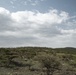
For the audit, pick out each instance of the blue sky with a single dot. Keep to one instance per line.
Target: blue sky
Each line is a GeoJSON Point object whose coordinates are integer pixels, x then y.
{"type": "Point", "coordinates": [48, 23]}
{"type": "Point", "coordinates": [40, 5]}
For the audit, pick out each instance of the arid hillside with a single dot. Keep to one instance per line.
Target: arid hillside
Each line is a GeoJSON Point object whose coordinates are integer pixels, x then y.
{"type": "Point", "coordinates": [37, 61]}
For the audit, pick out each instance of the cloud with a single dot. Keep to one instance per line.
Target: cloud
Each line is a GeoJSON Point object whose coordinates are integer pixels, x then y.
{"type": "Point", "coordinates": [33, 2]}
{"type": "Point", "coordinates": [12, 2]}
{"type": "Point", "coordinates": [28, 28]}
{"type": "Point", "coordinates": [5, 19]}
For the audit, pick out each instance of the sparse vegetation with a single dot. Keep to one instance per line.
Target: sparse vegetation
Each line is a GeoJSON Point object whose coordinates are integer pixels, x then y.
{"type": "Point", "coordinates": [37, 61]}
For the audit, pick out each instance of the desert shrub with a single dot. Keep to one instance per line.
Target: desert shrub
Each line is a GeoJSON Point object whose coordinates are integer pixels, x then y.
{"type": "Point", "coordinates": [67, 57]}
{"type": "Point", "coordinates": [68, 70]}
{"type": "Point", "coordinates": [50, 62]}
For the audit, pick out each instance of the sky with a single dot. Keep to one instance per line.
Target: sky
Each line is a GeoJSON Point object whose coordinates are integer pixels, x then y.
{"type": "Point", "coordinates": [40, 23]}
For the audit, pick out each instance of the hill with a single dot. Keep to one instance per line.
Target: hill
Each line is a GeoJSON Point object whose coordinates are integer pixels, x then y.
{"type": "Point", "coordinates": [37, 61]}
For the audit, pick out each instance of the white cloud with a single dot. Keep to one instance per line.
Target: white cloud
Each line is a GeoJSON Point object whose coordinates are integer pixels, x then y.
{"type": "Point", "coordinates": [53, 29]}
{"type": "Point", "coordinates": [12, 2]}
{"type": "Point", "coordinates": [3, 11]}
{"type": "Point", "coordinates": [33, 2]}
